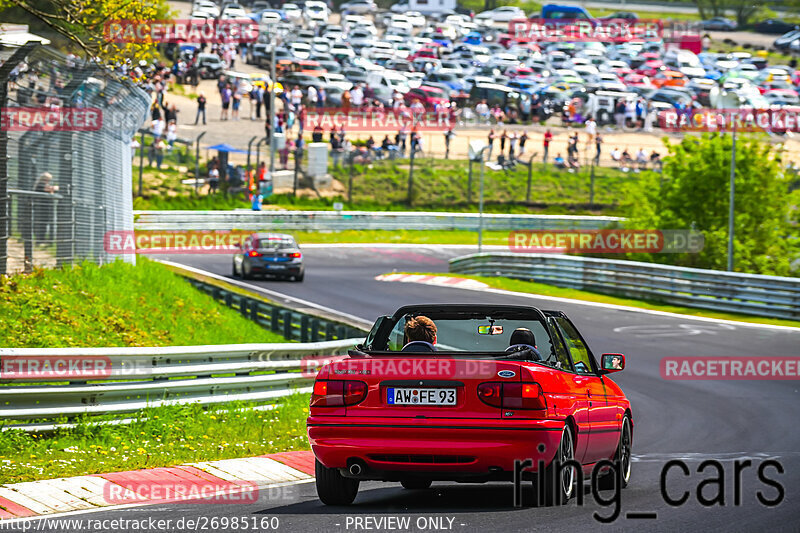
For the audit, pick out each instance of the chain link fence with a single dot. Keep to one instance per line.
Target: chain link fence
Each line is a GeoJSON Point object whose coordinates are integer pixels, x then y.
{"type": "Point", "coordinates": [65, 158]}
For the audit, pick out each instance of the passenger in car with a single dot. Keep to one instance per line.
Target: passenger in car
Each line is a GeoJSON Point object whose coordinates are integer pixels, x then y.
{"type": "Point", "coordinates": [420, 335]}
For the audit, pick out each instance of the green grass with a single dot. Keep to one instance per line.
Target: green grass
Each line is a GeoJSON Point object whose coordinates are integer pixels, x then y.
{"type": "Point", "coordinates": [542, 289]}
{"type": "Point", "coordinates": [116, 305]}
{"type": "Point", "coordinates": [162, 436]}
{"type": "Point", "coordinates": [439, 185]}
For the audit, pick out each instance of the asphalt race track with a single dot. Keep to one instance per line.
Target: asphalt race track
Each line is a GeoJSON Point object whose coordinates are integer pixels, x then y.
{"type": "Point", "coordinates": [694, 421]}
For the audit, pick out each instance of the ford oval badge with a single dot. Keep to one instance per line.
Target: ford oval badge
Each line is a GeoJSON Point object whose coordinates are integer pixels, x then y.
{"type": "Point", "coordinates": [506, 374]}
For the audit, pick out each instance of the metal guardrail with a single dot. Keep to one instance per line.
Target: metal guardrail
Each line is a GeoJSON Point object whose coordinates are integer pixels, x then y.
{"type": "Point", "coordinates": [357, 220]}
{"type": "Point", "coordinates": [136, 378]}
{"type": "Point", "coordinates": [771, 296]}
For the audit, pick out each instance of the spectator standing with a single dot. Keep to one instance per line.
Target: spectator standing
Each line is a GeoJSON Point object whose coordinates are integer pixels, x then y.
{"type": "Point", "coordinates": [322, 96]}
{"type": "Point", "coordinates": [313, 96]}
{"type": "Point", "coordinates": [598, 142]}
{"type": "Point", "coordinates": [160, 147]}
{"type": "Point", "coordinates": [448, 136]}
{"type": "Point", "coordinates": [201, 108]}
{"type": "Point", "coordinates": [548, 138]}
{"type": "Point", "coordinates": [357, 96]}
{"type": "Point", "coordinates": [522, 140]}
{"type": "Point", "coordinates": [619, 113]}
{"type": "Point", "coordinates": [43, 210]}
{"type": "Point", "coordinates": [591, 128]}
{"type": "Point", "coordinates": [236, 100]}
{"type": "Point", "coordinates": [512, 146]}
{"type": "Point", "coordinates": [492, 136]}
{"type": "Point", "coordinates": [225, 96]}
{"type": "Point", "coordinates": [172, 133]}
{"type": "Point", "coordinates": [297, 97]}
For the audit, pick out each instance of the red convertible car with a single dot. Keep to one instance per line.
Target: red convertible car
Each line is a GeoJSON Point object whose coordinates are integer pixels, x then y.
{"type": "Point", "coordinates": [466, 393]}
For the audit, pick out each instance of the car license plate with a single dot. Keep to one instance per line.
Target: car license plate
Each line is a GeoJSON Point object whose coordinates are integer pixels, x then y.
{"type": "Point", "coordinates": [275, 267]}
{"type": "Point", "coordinates": [419, 396]}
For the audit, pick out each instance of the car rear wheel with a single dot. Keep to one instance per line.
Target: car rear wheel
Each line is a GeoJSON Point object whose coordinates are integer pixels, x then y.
{"type": "Point", "coordinates": [559, 477]}
{"type": "Point", "coordinates": [416, 484]}
{"type": "Point", "coordinates": [247, 272]}
{"type": "Point", "coordinates": [235, 272]}
{"type": "Point", "coordinates": [300, 277]}
{"type": "Point", "coordinates": [622, 459]}
{"type": "Point", "coordinates": [333, 488]}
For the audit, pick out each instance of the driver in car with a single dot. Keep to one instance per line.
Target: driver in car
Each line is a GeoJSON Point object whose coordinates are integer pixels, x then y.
{"type": "Point", "coordinates": [523, 339]}
{"type": "Point", "coordinates": [420, 335]}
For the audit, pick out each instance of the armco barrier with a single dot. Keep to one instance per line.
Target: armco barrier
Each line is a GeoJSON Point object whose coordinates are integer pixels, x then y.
{"type": "Point", "coordinates": [141, 377]}
{"type": "Point", "coordinates": [209, 375]}
{"type": "Point", "coordinates": [751, 294]}
{"type": "Point", "coordinates": [356, 220]}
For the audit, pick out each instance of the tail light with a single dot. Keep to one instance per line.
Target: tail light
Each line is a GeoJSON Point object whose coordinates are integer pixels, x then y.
{"type": "Point", "coordinates": [253, 253]}
{"type": "Point", "coordinates": [296, 255]}
{"type": "Point", "coordinates": [338, 393]}
{"type": "Point", "coordinates": [512, 395]}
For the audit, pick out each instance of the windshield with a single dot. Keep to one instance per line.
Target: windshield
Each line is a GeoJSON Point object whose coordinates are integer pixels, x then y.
{"type": "Point", "coordinates": [462, 335]}
{"type": "Point", "coordinates": [275, 244]}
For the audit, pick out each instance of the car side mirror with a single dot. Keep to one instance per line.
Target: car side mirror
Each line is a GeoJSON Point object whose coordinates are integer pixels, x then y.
{"type": "Point", "coordinates": [612, 362]}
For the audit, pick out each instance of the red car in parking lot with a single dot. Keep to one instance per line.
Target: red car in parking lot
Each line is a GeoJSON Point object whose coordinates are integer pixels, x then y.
{"type": "Point", "coordinates": [494, 385]}
{"type": "Point", "coordinates": [429, 96]}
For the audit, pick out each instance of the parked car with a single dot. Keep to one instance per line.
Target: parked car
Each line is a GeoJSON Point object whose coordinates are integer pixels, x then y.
{"type": "Point", "coordinates": [775, 26]}
{"type": "Point", "coordinates": [719, 24]}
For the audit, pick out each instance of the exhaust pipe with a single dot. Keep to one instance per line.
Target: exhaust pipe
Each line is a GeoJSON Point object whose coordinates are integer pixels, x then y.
{"type": "Point", "coordinates": [355, 469]}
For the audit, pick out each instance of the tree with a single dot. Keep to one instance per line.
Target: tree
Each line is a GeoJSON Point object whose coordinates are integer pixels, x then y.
{"type": "Point", "coordinates": [694, 194]}
{"type": "Point", "coordinates": [83, 23]}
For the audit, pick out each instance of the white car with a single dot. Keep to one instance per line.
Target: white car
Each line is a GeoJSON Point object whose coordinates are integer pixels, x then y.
{"type": "Point", "coordinates": [321, 45]}
{"type": "Point", "coordinates": [293, 12]}
{"type": "Point", "coordinates": [500, 14]}
{"type": "Point", "coordinates": [359, 6]}
{"type": "Point", "coordinates": [360, 39]}
{"type": "Point", "coordinates": [337, 80]}
{"type": "Point", "coordinates": [300, 50]}
{"type": "Point", "coordinates": [416, 18]}
{"type": "Point", "coordinates": [390, 79]}
{"type": "Point", "coordinates": [233, 11]}
{"type": "Point", "coordinates": [400, 28]}
{"type": "Point", "coordinates": [316, 13]}
{"type": "Point", "coordinates": [206, 6]}
{"type": "Point", "coordinates": [341, 49]}
{"type": "Point", "coordinates": [379, 50]}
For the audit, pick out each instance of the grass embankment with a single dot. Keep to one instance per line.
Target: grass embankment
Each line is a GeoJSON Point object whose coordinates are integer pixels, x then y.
{"type": "Point", "coordinates": [439, 185]}
{"type": "Point", "coordinates": [163, 436]}
{"type": "Point", "coordinates": [541, 289]}
{"type": "Point", "coordinates": [116, 305]}
{"type": "Point", "coordinates": [125, 305]}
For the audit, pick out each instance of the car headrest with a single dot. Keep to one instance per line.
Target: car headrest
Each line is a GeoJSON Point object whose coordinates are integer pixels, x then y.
{"type": "Point", "coordinates": [418, 346]}
{"type": "Point", "coordinates": [522, 336]}
{"type": "Point", "coordinates": [535, 355]}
